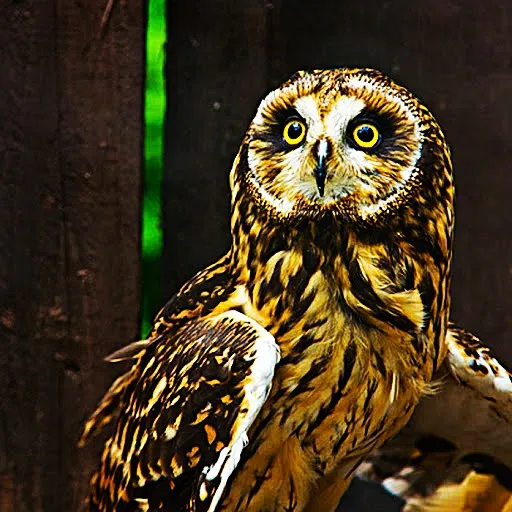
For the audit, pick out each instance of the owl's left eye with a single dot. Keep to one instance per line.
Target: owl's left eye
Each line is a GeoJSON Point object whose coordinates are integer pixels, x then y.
{"type": "Point", "coordinates": [366, 135]}
{"type": "Point", "coordinates": [294, 132]}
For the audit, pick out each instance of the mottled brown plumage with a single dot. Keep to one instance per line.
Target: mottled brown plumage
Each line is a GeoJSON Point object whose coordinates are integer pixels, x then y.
{"type": "Point", "coordinates": [342, 217]}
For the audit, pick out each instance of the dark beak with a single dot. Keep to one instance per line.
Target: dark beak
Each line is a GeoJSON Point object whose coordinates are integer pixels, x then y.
{"type": "Point", "coordinates": [320, 173]}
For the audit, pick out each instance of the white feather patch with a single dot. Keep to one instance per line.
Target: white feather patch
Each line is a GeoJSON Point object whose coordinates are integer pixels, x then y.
{"type": "Point", "coordinates": [257, 388]}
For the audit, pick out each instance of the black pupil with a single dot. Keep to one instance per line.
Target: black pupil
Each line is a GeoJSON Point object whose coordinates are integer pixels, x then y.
{"type": "Point", "coordinates": [295, 130]}
{"type": "Point", "coordinates": [365, 133]}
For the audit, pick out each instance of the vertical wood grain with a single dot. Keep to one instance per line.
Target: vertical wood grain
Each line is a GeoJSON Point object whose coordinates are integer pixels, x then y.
{"type": "Point", "coordinates": [70, 163]}
{"type": "Point", "coordinates": [216, 71]}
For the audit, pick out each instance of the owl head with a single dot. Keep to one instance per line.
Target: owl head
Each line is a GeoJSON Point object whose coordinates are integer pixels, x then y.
{"type": "Point", "coordinates": [346, 142]}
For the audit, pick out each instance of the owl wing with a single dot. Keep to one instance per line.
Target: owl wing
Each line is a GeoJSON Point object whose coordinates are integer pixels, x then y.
{"type": "Point", "coordinates": [459, 440]}
{"type": "Point", "coordinates": [184, 417]}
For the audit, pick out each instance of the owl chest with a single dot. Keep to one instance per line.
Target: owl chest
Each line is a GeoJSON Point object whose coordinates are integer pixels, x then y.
{"type": "Point", "coordinates": [332, 400]}
{"type": "Point", "coordinates": [341, 408]}
{"type": "Point", "coordinates": [339, 388]}
{"type": "Point", "coordinates": [355, 424]}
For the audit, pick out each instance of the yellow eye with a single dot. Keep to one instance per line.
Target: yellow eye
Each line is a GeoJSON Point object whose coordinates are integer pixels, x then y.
{"type": "Point", "coordinates": [294, 132]}
{"type": "Point", "coordinates": [366, 135]}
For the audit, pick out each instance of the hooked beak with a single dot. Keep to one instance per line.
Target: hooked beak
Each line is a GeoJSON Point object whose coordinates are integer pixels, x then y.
{"type": "Point", "coordinates": [321, 168]}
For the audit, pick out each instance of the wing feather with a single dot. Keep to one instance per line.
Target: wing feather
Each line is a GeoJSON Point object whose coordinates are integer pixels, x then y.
{"type": "Point", "coordinates": [185, 417]}
{"type": "Point", "coordinates": [108, 408]}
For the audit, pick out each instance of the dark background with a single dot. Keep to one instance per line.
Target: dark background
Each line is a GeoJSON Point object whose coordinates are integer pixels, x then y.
{"type": "Point", "coordinates": [70, 175]}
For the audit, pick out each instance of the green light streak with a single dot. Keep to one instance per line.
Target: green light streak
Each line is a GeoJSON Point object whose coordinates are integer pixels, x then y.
{"type": "Point", "coordinates": [154, 111]}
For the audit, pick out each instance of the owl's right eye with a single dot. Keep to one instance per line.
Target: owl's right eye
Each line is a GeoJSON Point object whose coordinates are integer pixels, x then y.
{"type": "Point", "coordinates": [294, 132]}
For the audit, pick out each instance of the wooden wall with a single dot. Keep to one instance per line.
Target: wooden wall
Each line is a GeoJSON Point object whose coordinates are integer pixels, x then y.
{"type": "Point", "coordinates": [70, 162]}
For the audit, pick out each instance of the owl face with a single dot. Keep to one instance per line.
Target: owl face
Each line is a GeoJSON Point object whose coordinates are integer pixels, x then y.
{"type": "Point", "coordinates": [344, 142]}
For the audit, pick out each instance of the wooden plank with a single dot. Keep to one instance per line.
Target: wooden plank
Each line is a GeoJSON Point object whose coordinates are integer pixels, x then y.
{"type": "Point", "coordinates": [216, 73]}
{"type": "Point", "coordinates": [70, 163]}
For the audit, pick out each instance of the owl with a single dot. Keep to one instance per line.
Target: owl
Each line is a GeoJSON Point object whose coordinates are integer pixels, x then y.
{"type": "Point", "coordinates": [273, 373]}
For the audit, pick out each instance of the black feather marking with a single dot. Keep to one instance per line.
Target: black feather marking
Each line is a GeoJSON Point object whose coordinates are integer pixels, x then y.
{"type": "Point", "coordinates": [277, 243]}
{"type": "Point", "coordinates": [311, 260]}
{"type": "Point", "coordinates": [297, 284]}
{"type": "Point", "coordinates": [363, 291]}
{"type": "Point", "coordinates": [349, 360]}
